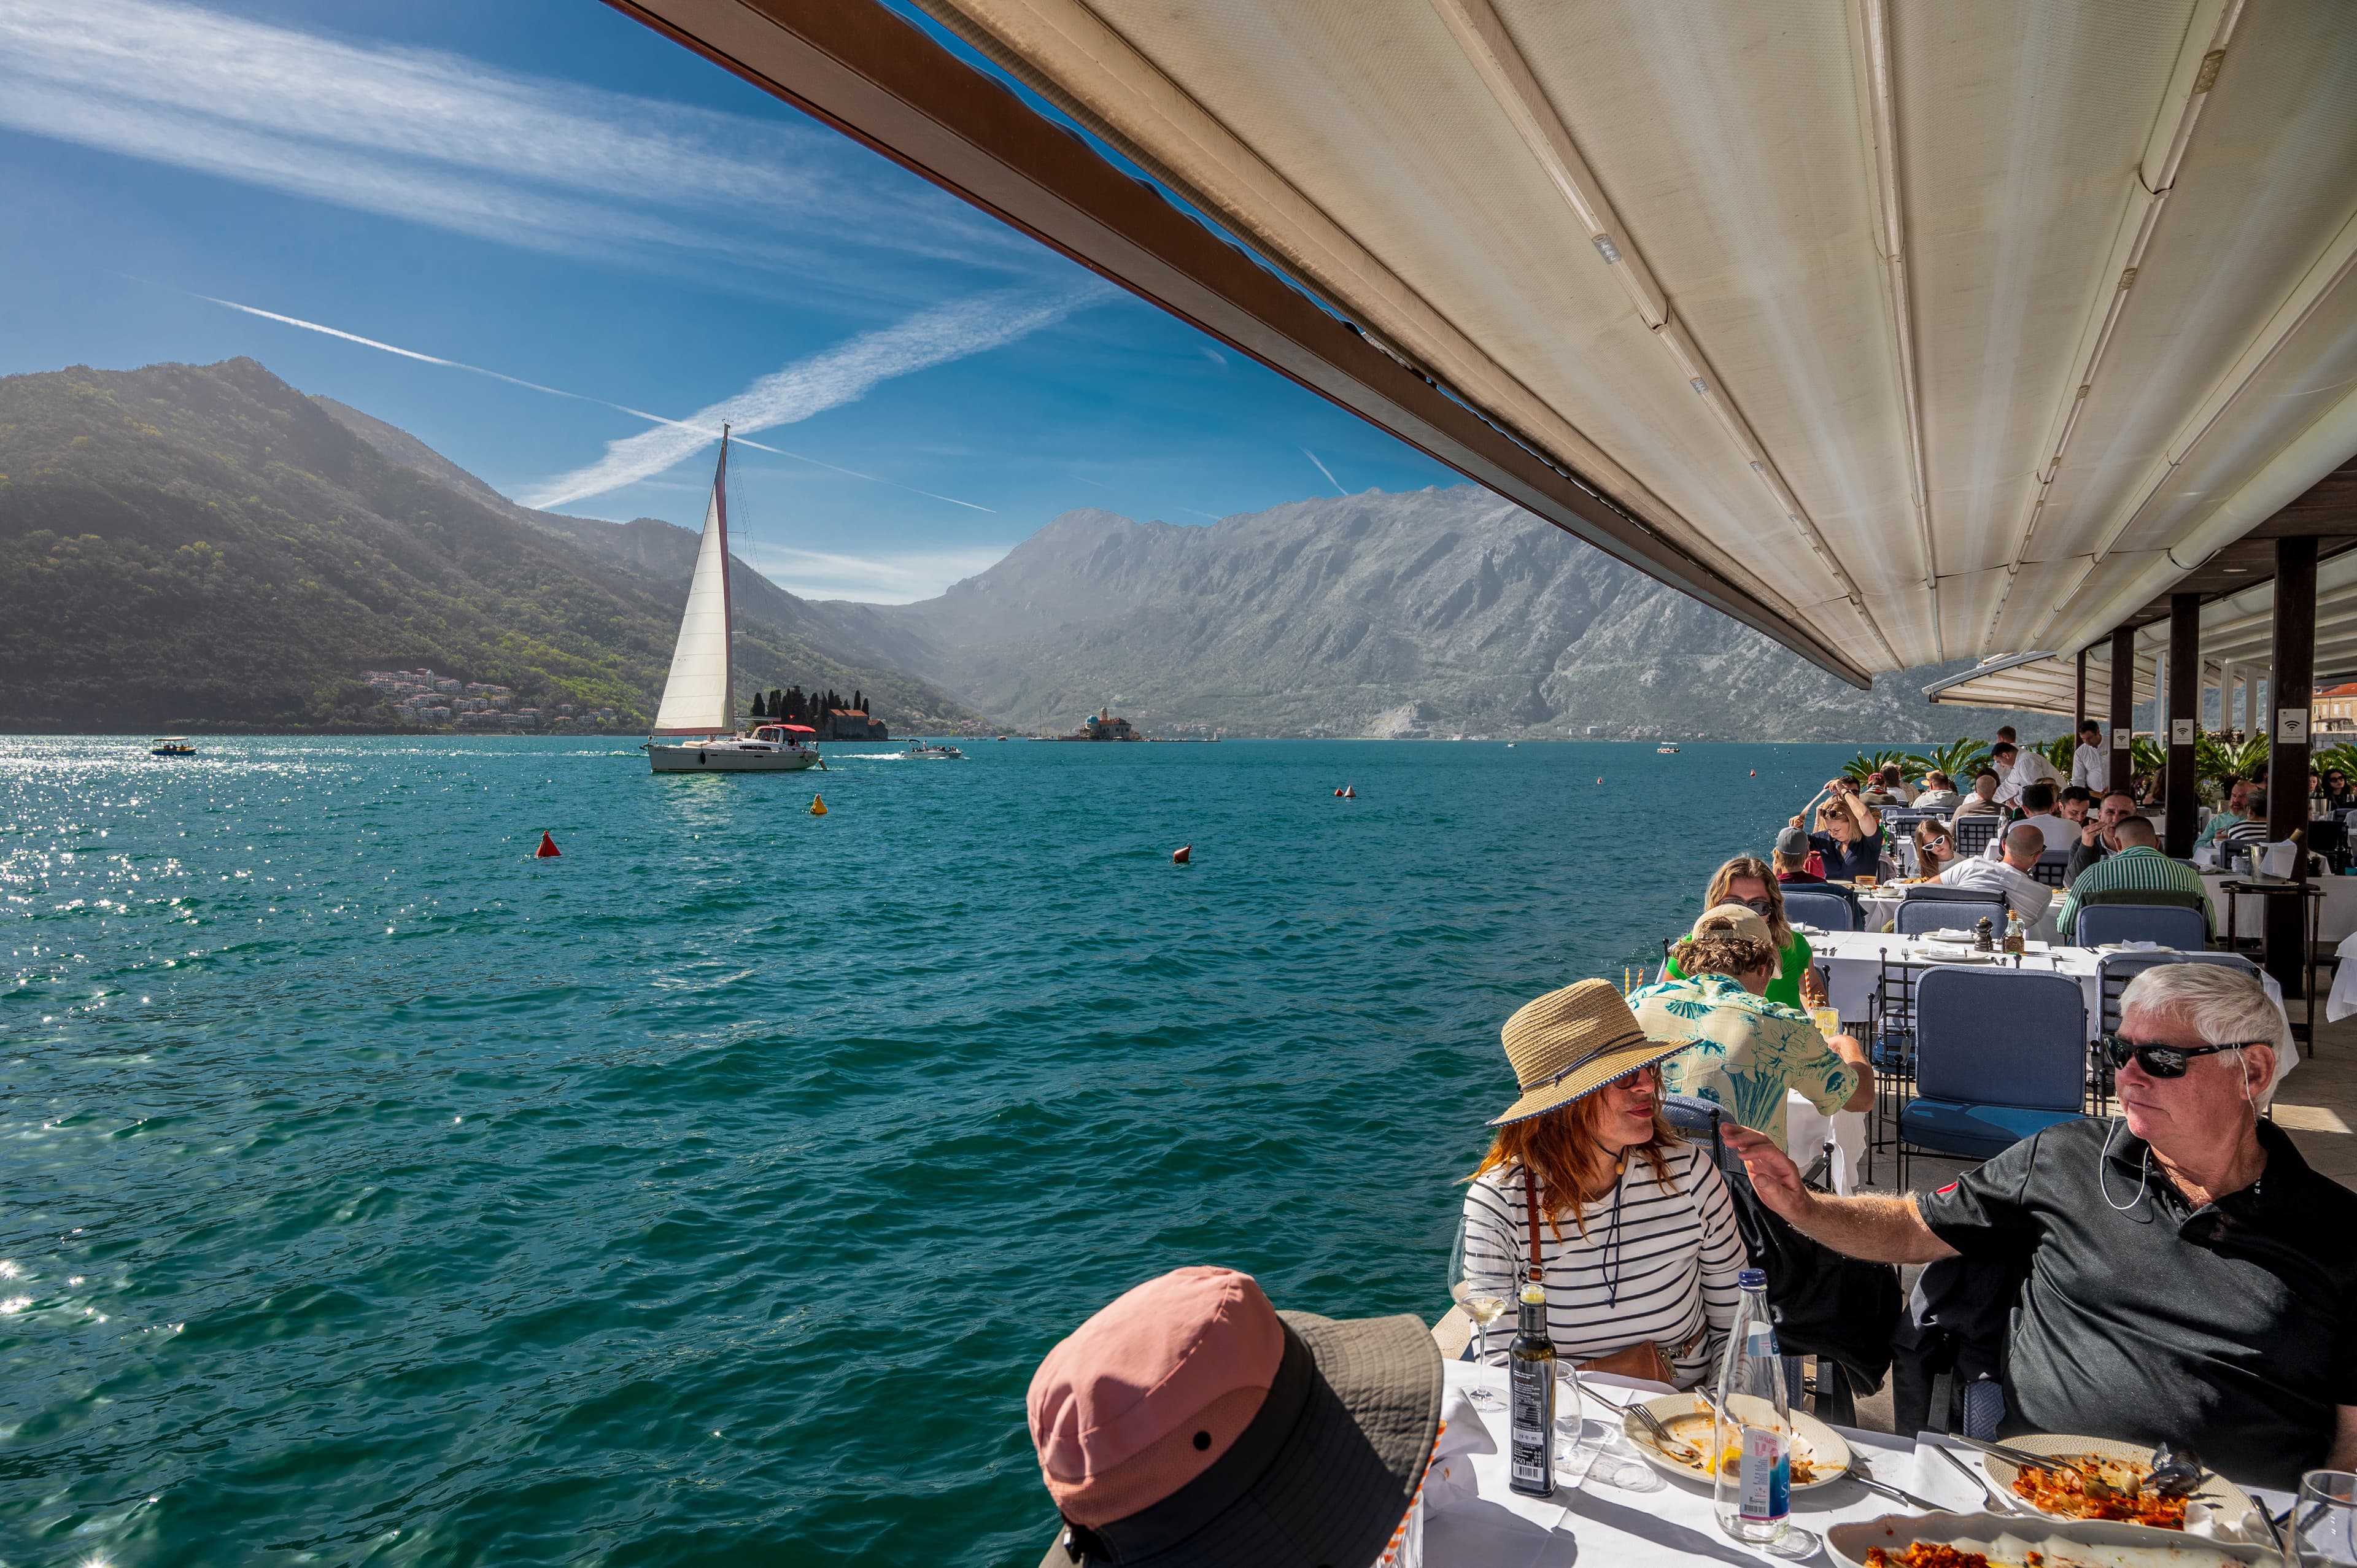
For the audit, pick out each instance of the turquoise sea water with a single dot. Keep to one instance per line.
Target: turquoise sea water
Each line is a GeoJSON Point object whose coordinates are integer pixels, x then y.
{"type": "Point", "coordinates": [375, 1193]}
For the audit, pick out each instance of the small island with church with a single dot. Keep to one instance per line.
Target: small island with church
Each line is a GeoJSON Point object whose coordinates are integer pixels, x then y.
{"type": "Point", "coordinates": [1105, 726]}
{"type": "Point", "coordinates": [827, 714]}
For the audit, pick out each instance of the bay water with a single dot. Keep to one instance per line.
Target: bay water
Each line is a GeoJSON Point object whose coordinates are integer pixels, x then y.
{"type": "Point", "coordinates": [377, 1193]}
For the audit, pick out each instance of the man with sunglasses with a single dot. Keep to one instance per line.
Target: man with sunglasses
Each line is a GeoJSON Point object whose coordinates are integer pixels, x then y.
{"type": "Point", "coordinates": [2189, 1276]}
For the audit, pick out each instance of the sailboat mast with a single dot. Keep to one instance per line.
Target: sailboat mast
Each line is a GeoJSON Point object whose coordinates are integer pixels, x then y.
{"type": "Point", "coordinates": [727, 608]}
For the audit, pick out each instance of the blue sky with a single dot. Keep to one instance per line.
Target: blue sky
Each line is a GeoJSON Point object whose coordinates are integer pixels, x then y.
{"type": "Point", "coordinates": [545, 189]}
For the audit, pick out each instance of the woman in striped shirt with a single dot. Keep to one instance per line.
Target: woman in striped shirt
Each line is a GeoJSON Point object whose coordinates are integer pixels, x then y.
{"type": "Point", "coordinates": [1637, 1237]}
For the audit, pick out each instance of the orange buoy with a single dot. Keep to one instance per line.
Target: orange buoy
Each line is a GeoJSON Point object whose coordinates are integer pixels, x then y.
{"type": "Point", "coordinates": [1338, 794]}
{"type": "Point", "coordinates": [548, 850]}
{"type": "Point", "coordinates": [1179, 857]}
{"type": "Point", "coordinates": [1755, 773]}
{"type": "Point", "coordinates": [818, 806]}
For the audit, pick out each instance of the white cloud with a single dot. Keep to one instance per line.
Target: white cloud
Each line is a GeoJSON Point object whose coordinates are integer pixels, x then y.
{"type": "Point", "coordinates": [827, 380]}
{"type": "Point", "coordinates": [448, 141]}
{"type": "Point", "coordinates": [897, 578]}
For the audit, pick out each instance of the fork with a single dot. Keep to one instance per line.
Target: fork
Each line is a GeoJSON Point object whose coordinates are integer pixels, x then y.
{"type": "Point", "coordinates": [1676, 1448]}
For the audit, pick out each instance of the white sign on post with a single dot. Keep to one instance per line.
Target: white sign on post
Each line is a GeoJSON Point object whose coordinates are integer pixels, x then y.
{"type": "Point", "coordinates": [2291, 727]}
{"type": "Point", "coordinates": [2120, 737]}
{"type": "Point", "coordinates": [2180, 732]}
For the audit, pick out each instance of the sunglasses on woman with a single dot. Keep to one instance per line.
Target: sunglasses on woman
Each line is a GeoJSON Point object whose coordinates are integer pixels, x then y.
{"type": "Point", "coordinates": [2162, 1061]}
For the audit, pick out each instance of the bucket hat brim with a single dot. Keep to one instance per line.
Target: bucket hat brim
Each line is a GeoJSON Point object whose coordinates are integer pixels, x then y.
{"type": "Point", "coordinates": [1342, 1479]}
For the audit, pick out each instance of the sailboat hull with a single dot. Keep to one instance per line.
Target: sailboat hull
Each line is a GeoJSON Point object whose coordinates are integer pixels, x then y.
{"type": "Point", "coordinates": [726, 758]}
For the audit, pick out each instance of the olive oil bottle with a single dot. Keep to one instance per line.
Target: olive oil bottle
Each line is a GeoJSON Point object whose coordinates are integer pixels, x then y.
{"type": "Point", "coordinates": [1530, 1383]}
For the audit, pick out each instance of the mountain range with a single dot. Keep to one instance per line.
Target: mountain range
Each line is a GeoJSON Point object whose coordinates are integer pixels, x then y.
{"type": "Point", "coordinates": [185, 546]}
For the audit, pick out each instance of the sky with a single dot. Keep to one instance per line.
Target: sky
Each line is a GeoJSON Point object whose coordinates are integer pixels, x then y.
{"type": "Point", "coordinates": [381, 200]}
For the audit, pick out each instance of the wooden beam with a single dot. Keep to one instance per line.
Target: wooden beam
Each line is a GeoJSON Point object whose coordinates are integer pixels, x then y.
{"type": "Point", "coordinates": [2184, 718]}
{"type": "Point", "coordinates": [2291, 690]}
{"type": "Point", "coordinates": [856, 66]}
{"type": "Point", "coordinates": [2122, 708]}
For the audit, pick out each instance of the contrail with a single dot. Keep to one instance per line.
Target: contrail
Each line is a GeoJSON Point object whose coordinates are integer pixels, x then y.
{"type": "Point", "coordinates": [1327, 471]}
{"type": "Point", "coordinates": [830, 379]}
{"type": "Point", "coordinates": [712, 434]}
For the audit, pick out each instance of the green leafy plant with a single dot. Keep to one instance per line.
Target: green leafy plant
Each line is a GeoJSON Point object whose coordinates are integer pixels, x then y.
{"type": "Point", "coordinates": [2057, 752]}
{"type": "Point", "coordinates": [1959, 759]}
{"type": "Point", "coordinates": [1859, 768]}
{"type": "Point", "coordinates": [2343, 757]}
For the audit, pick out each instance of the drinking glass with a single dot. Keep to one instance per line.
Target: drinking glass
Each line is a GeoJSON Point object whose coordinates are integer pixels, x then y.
{"type": "Point", "coordinates": [1474, 1285]}
{"type": "Point", "coordinates": [2324, 1520]}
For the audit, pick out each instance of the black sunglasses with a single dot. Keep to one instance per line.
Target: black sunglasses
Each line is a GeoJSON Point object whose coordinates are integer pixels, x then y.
{"type": "Point", "coordinates": [2162, 1061]}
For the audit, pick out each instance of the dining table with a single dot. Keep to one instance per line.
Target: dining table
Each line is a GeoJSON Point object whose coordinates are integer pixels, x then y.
{"type": "Point", "coordinates": [1611, 1506]}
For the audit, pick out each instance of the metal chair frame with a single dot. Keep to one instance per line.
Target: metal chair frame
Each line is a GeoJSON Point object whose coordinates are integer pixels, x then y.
{"type": "Point", "coordinates": [1891, 1047]}
{"type": "Point", "coordinates": [1899, 1139]}
{"type": "Point", "coordinates": [1972, 834]}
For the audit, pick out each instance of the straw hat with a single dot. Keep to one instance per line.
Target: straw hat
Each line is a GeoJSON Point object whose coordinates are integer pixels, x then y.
{"type": "Point", "coordinates": [1573, 1042]}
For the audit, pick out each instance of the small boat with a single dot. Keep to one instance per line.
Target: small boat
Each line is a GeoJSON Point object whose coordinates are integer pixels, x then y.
{"type": "Point", "coordinates": [170, 746]}
{"type": "Point", "coordinates": [699, 697]}
{"type": "Point", "coordinates": [936, 752]}
{"type": "Point", "coordinates": [1667, 749]}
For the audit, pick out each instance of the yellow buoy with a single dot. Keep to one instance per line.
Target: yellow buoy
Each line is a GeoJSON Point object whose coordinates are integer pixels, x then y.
{"type": "Point", "coordinates": [818, 806]}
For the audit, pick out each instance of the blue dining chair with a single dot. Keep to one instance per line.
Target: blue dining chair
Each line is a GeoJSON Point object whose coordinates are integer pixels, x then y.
{"type": "Point", "coordinates": [2001, 1054]}
{"type": "Point", "coordinates": [2170, 925]}
{"type": "Point", "coordinates": [1917, 915]}
{"type": "Point", "coordinates": [1820, 908]}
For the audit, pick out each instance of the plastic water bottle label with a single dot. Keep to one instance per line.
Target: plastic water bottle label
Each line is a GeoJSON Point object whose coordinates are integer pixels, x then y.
{"type": "Point", "coordinates": [1766, 1475]}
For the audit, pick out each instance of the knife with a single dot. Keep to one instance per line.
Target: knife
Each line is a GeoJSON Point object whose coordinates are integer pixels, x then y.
{"type": "Point", "coordinates": [2015, 1456]}
{"type": "Point", "coordinates": [1856, 1472]}
{"type": "Point", "coordinates": [2008, 1504]}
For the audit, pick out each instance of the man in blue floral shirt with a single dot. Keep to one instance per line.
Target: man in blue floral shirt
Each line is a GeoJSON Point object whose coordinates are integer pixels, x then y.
{"type": "Point", "coordinates": [1747, 1051]}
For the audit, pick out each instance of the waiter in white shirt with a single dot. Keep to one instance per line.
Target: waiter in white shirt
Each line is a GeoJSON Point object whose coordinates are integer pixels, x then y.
{"type": "Point", "coordinates": [2017, 767]}
{"type": "Point", "coordinates": [2089, 767]}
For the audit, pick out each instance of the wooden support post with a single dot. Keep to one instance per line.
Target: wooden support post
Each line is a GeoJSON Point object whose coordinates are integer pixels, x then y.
{"type": "Point", "coordinates": [2123, 707]}
{"type": "Point", "coordinates": [2291, 684]}
{"type": "Point", "coordinates": [2184, 717]}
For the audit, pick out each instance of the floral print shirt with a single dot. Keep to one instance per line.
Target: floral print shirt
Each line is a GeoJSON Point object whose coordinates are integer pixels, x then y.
{"type": "Point", "coordinates": [1747, 1050]}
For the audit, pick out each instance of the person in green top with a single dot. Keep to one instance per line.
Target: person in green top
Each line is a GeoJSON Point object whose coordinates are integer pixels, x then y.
{"type": "Point", "coordinates": [2237, 810]}
{"type": "Point", "coordinates": [1747, 880]}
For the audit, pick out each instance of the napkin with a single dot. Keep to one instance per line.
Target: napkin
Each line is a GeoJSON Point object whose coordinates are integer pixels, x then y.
{"type": "Point", "coordinates": [2278, 859]}
{"type": "Point", "coordinates": [1449, 1482]}
{"type": "Point", "coordinates": [2245, 1526]}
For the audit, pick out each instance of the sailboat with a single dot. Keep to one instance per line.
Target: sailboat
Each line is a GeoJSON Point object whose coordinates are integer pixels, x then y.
{"type": "Point", "coordinates": [699, 698]}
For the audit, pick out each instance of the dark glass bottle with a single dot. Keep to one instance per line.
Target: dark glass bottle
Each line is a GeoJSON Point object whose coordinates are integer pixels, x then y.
{"type": "Point", "coordinates": [1529, 1383]}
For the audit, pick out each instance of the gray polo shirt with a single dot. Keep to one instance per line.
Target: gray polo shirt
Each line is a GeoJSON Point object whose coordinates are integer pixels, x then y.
{"type": "Point", "coordinates": [2232, 1327]}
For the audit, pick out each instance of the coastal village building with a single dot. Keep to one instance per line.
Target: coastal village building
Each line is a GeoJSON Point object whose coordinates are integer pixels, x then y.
{"type": "Point", "coordinates": [2336, 708]}
{"type": "Point", "coordinates": [850, 724]}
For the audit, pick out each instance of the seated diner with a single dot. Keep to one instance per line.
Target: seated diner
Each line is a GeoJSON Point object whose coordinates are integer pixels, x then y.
{"type": "Point", "coordinates": [2139, 867]}
{"type": "Point", "coordinates": [1792, 855]}
{"type": "Point", "coordinates": [2189, 1278]}
{"type": "Point", "coordinates": [1938, 794]}
{"type": "Point", "coordinates": [1746, 1051]}
{"type": "Point", "coordinates": [1936, 850]}
{"type": "Point", "coordinates": [1636, 1232]}
{"type": "Point", "coordinates": [1849, 835]}
{"type": "Point", "coordinates": [1981, 801]}
{"type": "Point", "coordinates": [1745, 883]}
{"type": "Point", "coordinates": [2009, 877]}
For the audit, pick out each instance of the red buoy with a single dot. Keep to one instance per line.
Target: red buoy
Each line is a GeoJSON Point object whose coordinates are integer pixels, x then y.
{"type": "Point", "coordinates": [548, 850]}
{"type": "Point", "coordinates": [1179, 857]}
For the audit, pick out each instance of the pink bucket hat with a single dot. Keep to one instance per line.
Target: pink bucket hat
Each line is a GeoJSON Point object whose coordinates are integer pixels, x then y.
{"type": "Point", "coordinates": [1190, 1422]}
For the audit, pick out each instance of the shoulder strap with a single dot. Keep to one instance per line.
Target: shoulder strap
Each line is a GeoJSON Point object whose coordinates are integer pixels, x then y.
{"type": "Point", "coordinates": [1531, 1208]}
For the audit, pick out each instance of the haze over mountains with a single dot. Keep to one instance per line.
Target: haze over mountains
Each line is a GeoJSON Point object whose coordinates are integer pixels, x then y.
{"type": "Point", "coordinates": [205, 545]}
{"type": "Point", "coordinates": [1437, 612]}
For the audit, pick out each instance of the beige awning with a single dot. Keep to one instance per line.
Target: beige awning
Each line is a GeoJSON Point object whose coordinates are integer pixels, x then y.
{"type": "Point", "coordinates": [1942, 325]}
{"type": "Point", "coordinates": [1905, 331]}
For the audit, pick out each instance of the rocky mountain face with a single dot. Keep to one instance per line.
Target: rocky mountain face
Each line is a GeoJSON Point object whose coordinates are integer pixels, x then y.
{"type": "Point", "coordinates": [186, 546]}
{"type": "Point", "coordinates": [1437, 613]}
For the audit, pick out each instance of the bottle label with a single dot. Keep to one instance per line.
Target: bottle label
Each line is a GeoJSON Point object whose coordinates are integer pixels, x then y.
{"type": "Point", "coordinates": [1533, 1450]}
{"type": "Point", "coordinates": [1766, 1475]}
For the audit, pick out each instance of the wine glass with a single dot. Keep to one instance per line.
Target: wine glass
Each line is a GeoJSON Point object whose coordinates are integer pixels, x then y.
{"type": "Point", "coordinates": [2324, 1520]}
{"type": "Point", "coordinates": [1482, 1293]}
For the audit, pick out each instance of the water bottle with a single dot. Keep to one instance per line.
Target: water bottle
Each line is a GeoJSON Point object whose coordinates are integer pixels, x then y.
{"type": "Point", "coordinates": [1751, 1487]}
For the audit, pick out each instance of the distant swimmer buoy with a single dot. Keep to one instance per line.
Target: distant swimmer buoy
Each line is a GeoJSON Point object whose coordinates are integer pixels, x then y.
{"type": "Point", "coordinates": [1338, 794]}
{"type": "Point", "coordinates": [818, 806]}
{"type": "Point", "coordinates": [1179, 857]}
{"type": "Point", "coordinates": [548, 850]}
{"type": "Point", "coordinates": [1755, 773]}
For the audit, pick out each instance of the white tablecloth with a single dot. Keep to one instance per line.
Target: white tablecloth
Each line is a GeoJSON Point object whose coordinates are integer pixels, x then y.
{"type": "Point", "coordinates": [2344, 1000]}
{"type": "Point", "coordinates": [1611, 1510]}
{"type": "Point", "coordinates": [1878, 907]}
{"type": "Point", "coordinates": [1853, 961]}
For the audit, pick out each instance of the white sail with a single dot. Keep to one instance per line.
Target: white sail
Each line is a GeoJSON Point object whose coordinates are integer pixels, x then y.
{"type": "Point", "coordinates": [696, 699]}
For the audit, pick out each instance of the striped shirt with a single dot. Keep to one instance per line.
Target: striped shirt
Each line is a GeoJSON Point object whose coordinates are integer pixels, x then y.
{"type": "Point", "coordinates": [2141, 869]}
{"type": "Point", "coordinates": [1657, 1265]}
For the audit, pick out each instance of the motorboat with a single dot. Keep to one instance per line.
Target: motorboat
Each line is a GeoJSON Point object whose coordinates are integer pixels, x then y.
{"type": "Point", "coordinates": [170, 746]}
{"type": "Point", "coordinates": [931, 753]}
{"type": "Point", "coordinates": [699, 697]}
{"type": "Point", "coordinates": [1667, 748]}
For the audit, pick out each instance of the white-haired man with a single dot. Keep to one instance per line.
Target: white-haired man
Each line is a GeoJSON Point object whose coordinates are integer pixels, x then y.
{"type": "Point", "coordinates": [2190, 1278]}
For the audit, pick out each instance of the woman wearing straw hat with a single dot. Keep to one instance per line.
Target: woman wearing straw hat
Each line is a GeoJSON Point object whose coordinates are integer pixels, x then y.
{"type": "Point", "coordinates": [1636, 1233]}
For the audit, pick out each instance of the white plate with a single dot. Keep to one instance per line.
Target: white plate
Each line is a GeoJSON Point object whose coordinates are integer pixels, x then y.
{"type": "Point", "coordinates": [1689, 1419]}
{"type": "Point", "coordinates": [1847, 1544]}
{"type": "Point", "coordinates": [2219, 1493]}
